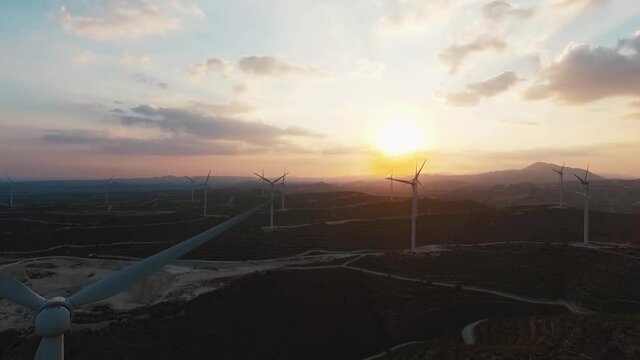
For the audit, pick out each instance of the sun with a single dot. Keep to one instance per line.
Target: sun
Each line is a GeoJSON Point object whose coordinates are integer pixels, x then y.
{"type": "Point", "coordinates": [400, 136]}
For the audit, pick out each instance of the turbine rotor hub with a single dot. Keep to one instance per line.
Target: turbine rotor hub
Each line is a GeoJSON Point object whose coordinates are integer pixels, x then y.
{"type": "Point", "coordinates": [54, 318]}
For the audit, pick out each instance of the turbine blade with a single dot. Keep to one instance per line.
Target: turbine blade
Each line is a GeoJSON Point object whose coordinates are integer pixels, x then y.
{"type": "Point", "coordinates": [586, 173]}
{"type": "Point", "coordinates": [261, 177]}
{"type": "Point", "coordinates": [8, 178]}
{"type": "Point", "coordinates": [208, 175]}
{"type": "Point", "coordinates": [562, 168]}
{"type": "Point", "coordinates": [51, 348]}
{"type": "Point", "coordinates": [124, 279]}
{"type": "Point", "coordinates": [402, 181]}
{"type": "Point", "coordinates": [17, 292]}
{"type": "Point", "coordinates": [419, 171]}
{"type": "Point", "coordinates": [278, 179]}
{"type": "Point", "coordinates": [579, 178]}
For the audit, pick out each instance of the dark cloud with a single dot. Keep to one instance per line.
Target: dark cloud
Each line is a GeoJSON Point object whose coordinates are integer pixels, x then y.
{"type": "Point", "coordinates": [454, 54]}
{"type": "Point", "coordinates": [271, 66]}
{"type": "Point", "coordinates": [483, 89]}
{"type": "Point", "coordinates": [172, 146]}
{"type": "Point", "coordinates": [147, 80]}
{"type": "Point", "coordinates": [178, 121]}
{"type": "Point", "coordinates": [499, 10]}
{"type": "Point", "coordinates": [583, 74]}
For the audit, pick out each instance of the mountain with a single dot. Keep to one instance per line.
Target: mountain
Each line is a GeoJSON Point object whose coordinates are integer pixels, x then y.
{"type": "Point", "coordinates": [536, 173]}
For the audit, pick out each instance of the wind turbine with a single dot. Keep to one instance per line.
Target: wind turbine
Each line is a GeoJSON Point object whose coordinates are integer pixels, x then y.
{"type": "Point", "coordinates": [193, 185]}
{"type": "Point", "coordinates": [106, 193]}
{"type": "Point", "coordinates": [282, 192]}
{"type": "Point", "coordinates": [585, 186]}
{"type": "Point", "coordinates": [10, 191]}
{"type": "Point", "coordinates": [414, 204]}
{"type": "Point", "coordinates": [206, 190]}
{"type": "Point", "coordinates": [272, 183]}
{"type": "Point", "coordinates": [53, 316]}
{"type": "Point", "coordinates": [561, 174]}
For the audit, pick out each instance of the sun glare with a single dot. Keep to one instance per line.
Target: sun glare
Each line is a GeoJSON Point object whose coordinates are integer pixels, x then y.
{"type": "Point", "coordinates": [398, 137]}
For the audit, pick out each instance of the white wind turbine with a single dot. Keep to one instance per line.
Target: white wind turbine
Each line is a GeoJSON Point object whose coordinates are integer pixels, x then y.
{"type": "Point", "coordinates": [561, 174]}
{"type": "Point", "coordinates": [272, 183]}
{"type": "Point", "coordinates": [10, 191]}
{"type": "Point", "coordinates": [414, 182]}
{"type": "Point", "coordinates": [53, 316]}
{"type": "Point", "coordinates": [585, 186]}
{"type": "Point", "coordinates": [193, 185]}
{"type": "Point", "coordinates": [282, 192]}
{"type": "Point", "coordinates": [106, 193]}
{"type": "Point", "coordinates": [206, 190]}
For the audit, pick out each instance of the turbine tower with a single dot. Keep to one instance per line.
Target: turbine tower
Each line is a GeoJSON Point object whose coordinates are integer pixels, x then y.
{"type": "Point", "coordinates": [272, 183]}
{"type": "Point", "coordinates": [206, 190]}
{"type": "Point", "coordinates": [282, 192]}
{"type": "Point", "coordinates": [414, 182]}
{"type": "Point", "coordinates": [193, 185]}
{"type": "Point", "coordinates": [561, 174]}
{"type": "Point", "coordinates": [585, 186]}
{"type": "Point", "coordinates": [53, 316]}
{"type": "Point", "coordinates": [106, 193]}
{"type": "Point", "coordinates": [391, 193]}
{"type": "Point", "coordinates": [10, 191]}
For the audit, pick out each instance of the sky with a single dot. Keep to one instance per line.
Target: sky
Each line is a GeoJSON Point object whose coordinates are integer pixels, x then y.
{"type": "Point", "coordinates": [332, 88]}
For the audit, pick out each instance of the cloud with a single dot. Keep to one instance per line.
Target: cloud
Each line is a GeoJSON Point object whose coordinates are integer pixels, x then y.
{"type": "Point", "coordinates": [585, 3]}
{"type": "Point", "coordinates": [454, 54]}
{"type": "Point", "coordinates": [140, 62]}
{"type": "Point", "coordinates": [84, 59]}
{"type": "Point", "coordinates": [230, 109]}
{"type": "Point", "coordinates": [483, 89]}
{"type": "Point", "coordinates": [199, 70]}
{"type": "Point", "coordinates": [126, 20]}
{"type": "Point", "coordinates": [271, 66]}
{"type": "Point", "coordinates": [183, 121]}
{"type": "Point", "coordinates": [97, 141]}
{"type": "Point", "coordinates": [144, 79]}
{"type": "Point", "coordinates": [521, 122]}
{"type": "Point", "coordinates": [583, 74]}
{"type": "Point", "coordinates": [499, 10]}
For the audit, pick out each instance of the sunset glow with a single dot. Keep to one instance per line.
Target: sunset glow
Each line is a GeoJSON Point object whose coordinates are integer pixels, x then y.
{"type": "Point", "coordinates": [400, 136]}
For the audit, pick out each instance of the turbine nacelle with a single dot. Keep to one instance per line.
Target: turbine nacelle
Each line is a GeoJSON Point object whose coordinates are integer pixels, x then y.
{"type": "Point", "coordinates": [54, 319]}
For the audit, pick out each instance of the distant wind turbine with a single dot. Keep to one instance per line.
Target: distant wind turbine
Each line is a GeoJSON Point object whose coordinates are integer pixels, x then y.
{"type": "Point", "coordinates": [10, 191]}
{"type": "Point", "coordinates": [561, 174]}
{"type": "Point", "coordinates": [193, 185]}
{"type": "Point", "coordinates": [585, 186]}
{"type": "Point", "coordinates": [106, 193]}
{"type": "Point", "coordinates": [282, 192]}
{"type": "Point", "coordinates": [414, 204]}
{"type": "Point", "coordinates": [206, 190]}
{"type": "Point", "coordinates": [53, 316]}
{"type": "Point", "coordinates": [272, 183]}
